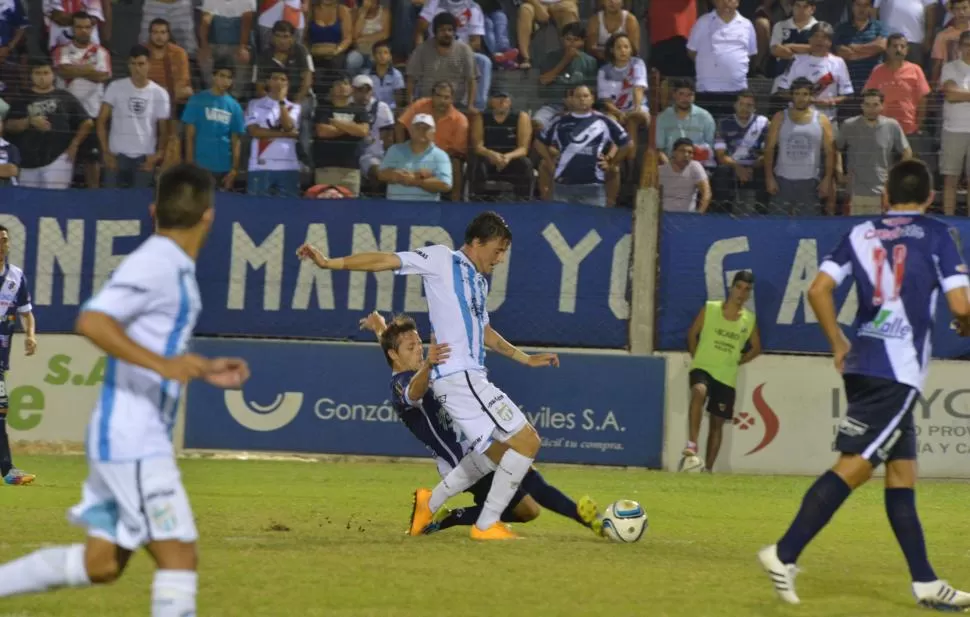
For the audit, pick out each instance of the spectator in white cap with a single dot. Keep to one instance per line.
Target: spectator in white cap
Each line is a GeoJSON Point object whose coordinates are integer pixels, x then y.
{"type": "Point", "coordinates": [417, 170]}
{"type": "Point", "coordinates": [380, 119]}
{"type": "Point", "coordinates": [341, 128]}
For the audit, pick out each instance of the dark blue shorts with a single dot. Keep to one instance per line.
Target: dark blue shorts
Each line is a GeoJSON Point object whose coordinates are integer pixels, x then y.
{"type": "Point", "coordinates": [879, 420]}
{"type": "Point", "coordinates": [480, 490]}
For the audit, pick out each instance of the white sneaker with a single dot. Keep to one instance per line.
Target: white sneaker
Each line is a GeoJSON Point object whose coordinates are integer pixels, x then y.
{"type": "Point", "coordinates": [782, 575]}
{"type": "Point", "coordinates": [941, 596]}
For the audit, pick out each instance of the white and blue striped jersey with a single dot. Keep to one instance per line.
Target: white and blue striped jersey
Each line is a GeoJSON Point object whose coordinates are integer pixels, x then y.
{"type": "Point", "coordinates": [456, 294]}
{"type": "Point", "coordinates": [581, 139]}
{"type": "Point", "coordinates": [154, 296]}
{"type": "Point", "coordinates": [899, 264]}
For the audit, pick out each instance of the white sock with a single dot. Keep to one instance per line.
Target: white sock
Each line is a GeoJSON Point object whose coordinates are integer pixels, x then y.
{"type": "Point", "coordinates": [511, 469]}
{"type": "Point", "coordinates": [472, 468]}
{"type": "Point", "coordinates": [44, 570]}
{"type": "Point", "coordinates": [173, 593]}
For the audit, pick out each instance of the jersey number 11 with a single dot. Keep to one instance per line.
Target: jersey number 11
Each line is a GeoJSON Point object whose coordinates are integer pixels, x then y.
{"type": "Point", "coordinates": [899, 270]}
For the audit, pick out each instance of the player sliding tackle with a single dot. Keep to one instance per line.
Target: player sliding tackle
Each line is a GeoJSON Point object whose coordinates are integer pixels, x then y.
{"type": "Point", "coordinates": [421, 413]}
{"type": "Point", "coordinates": [899, 264]}
{"type": "Point", "coordinates": [456, 288]}
{"type": "Point", "coordinates": [142, 319]}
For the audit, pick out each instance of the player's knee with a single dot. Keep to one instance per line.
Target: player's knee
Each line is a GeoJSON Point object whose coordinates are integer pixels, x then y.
{"type": "Point", "coordinates": [698, 391]}
{"type": "Point", "coordinates": [527, 442]}
{"type": "Point", "coordinates": [102, 567]}
{"type": "Point", "coordinates": [854, 469]}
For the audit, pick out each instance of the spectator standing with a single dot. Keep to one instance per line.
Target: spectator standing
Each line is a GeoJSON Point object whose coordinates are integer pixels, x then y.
{"type": "Point", "coordinates": [581, 147]}
{"type": "Point", "coordinates": [9, 161]}
{"type": "Point", "coordinates": [470, 28]}
{"type": "Point", "coordinates": [562, 12]}
{"type": "Point", "coordinates": [722, 43]}
{"type": "Point", "coordinates": [13, 30]}
{"type": "Point", "coordinates": [955, 153]}
{"type": "Point", "coordinates": [214, 124]}
{"type": "Point", "coordinates": [861, 42]}
{"type": "Point", "coordinates": [670, 23]}
{"type": "Point", "coordinates": [58, 19]}
{"type": "Point", "coordinates": [871, 140]}
{"type": "Point", "coordinates": [341, 129]}
{"type": "Point", "coordinates": [803, 138]}
{"type": "Point", "coordinates": [48, 125]}
{"type": "Point", "coordinates": [271, 12]}
{"type": "Point", "coordinates": [169, 65]}
{"type": "Point", "coordinates": [501, 137]}
{"type": "Point", "coordinates": [417, 170]}
{"type": "Point", "coordinates": [224, 37]}
{"type": "Point", "coordinates": [622, 87]}
{"type": "Point", "coordinates": [388, 82]}
{"type": "Point", "coordinates": [330, 34]}
{"type": "Point", "coordinates": [373, 25]}
{"type": "Point", "coordinates": [451, 132]}
{"type": "Point", "coordinates": [611, 21]}
{"type": "Point", "coordinates": [946, 47]}
{"type": "Point", "coordinates": [826, 71]}
{"type": "Point", "coordinates": [685, 119]}
{"type": "Point", "coordinates": [442, 58]}
{"type": "Point", "coordinates": [180, 18]}
{"type": "Point", "coordinates": [915, 19]}
{"type": "Point", "coordinates": [380, 120]}
{"type": "Point", "coordinates": [287, 54]}
{"type": "Point", "coordinates": [273, 122]}
{"type": "Point", "coordinates": [789, 38]}
{"type": "Point", "coordinates": [739, 147]}
{"type": "Point", "coordinates": [684, 186]}
{"type": "Point", "coordinates": [138, 110]}
{"type": "Point", "coordinates": [561, 71]}
{"type": "Point", "coordinates": [83, 67]}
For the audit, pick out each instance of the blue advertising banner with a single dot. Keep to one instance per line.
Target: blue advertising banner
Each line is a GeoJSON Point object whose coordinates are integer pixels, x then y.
{"type": "Point", "coordinates": [699, 256]}
{"type": "Point", "coordinates": [333, 398]}
{"type": "Point", "coordinates": [565, 281]}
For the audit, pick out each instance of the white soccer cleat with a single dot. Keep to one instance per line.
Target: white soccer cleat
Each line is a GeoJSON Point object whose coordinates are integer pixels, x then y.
{"type": "Point", "coordinates": [782, 575]}
{"type": "Point", "coordinates": [941, 596]}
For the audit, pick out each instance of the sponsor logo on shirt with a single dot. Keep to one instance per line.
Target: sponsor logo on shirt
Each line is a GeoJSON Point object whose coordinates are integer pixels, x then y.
{"type": "Point", "coordinates": [219, 116]}
{"type": "Point", "coordinates": [886, 326]}
{"type": "Point", "coordinates": [906, 231]}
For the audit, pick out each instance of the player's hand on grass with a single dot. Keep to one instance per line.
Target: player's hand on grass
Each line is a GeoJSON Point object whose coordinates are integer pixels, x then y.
{"type": "Point", "coordinates": [227, 373]}
{"type": "Point", "coordinates": [308, 251]}
{"type": "Point", "coordinates": [438, 353]}
{"type": "Point", "coordinates": [184, 368]}
{"type": "Point", "coordinates": [30, 345]}
{"type": "Point", "coordinates": [373, 322]}
{"type": "Point", "coordinates": [543, 359]}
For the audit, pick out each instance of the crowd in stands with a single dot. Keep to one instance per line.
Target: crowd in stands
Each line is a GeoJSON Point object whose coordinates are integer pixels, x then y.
{"type": "Point", "coordinates": [766, 106]}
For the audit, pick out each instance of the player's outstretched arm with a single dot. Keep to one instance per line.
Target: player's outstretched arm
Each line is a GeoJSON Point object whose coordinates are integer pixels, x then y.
{"type": "Point", "coordinates": [419, 384]}
{"type": "Point", "coordinates": [821, 297]}
{"type": "Point", "coordinates": [495, 342]}
{"type": "Point", "coordinates": [367, 262]}
{"type": "Point", "coordinates": [375, 323]}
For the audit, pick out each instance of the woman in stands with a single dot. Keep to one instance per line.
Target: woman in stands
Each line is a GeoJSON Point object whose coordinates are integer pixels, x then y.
{"type": "Point", "coordinates": [622, 87]}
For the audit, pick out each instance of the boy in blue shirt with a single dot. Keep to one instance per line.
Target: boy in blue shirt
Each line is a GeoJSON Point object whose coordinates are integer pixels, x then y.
{"type": "Point", "coordinates": [214, 122]}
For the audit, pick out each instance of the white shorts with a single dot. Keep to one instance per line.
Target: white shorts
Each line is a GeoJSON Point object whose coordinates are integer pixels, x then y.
{"type": "Point", "coordinates": [134, 503]}
{"type": "Point", "coordinates": [479, 409]}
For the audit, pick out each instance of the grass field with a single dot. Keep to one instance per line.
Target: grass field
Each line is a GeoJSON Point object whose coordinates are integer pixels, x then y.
{"type": "Point", "coordinates": [297, 539]}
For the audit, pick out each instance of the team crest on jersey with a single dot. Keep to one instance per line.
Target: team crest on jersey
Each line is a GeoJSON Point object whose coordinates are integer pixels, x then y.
{"type": "Point", "coordinates": [137, 106]}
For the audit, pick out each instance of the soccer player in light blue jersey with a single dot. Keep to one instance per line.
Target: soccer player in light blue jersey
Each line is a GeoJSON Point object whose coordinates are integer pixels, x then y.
{"type": "Point", "coordinates": [900, 264]}
{"type": "Point", "coordinates": [133, 497]}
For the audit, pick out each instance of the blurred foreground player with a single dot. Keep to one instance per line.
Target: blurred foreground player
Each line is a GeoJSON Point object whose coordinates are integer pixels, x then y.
{"type": "Point", "coordinates": [421, 413]}
{"type": "Point", "coordinates": [716, 341]}
{"type": "Point", "coordinates": [899, 264]}
{"type": "Point", "coordinates": [133, 496]}
{"type": "Point", "coordinates": [16, 298]}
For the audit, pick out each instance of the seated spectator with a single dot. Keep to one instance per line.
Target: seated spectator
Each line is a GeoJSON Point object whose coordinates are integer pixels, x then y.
{"type": "Point", "coordinates": [669, 23]}
{"type": "Point", "coordinates": [501, 137]}
{"type": "Point", "coordinates": [380, 119]}
{"type": "Point", "coordinates": [739, 178]}
{"type": "Point", "coordinates": [789, 38]}
{"type": "Point", "coordinates": [9, 160]}
{"type": "Point", "coordinates": [13, 30]}
{"type": "Point", "coordinates": [451, 132]}
{"type": "Point", "coordinates": [373, 26]}
{"type": "Point", "coordinates": [286, 52]}
{"type": "Point", "coordinates": [685, 119]}
{"type": "Point", "coordinates": [561, 71]}
{"type": "Point", "coordinates": [340, 128]}
{"type": "Point", "coordinates": [274, 122]}
{"type": "Point", "coordinates": [622, 87]}
{"type": "Point", "coordinates": [470, 28]}
{"type": "Point", "coordinates": [916, 19]}
{"type": "Point", "coordinates": [722, 44]}
{"type": "Point", "coordinates": [609, 22]}
{"type": "Point", "coordinates": [138, 111]}
{"type": "Point", "coordinates": [169, 64]}
{"type": "Point", "coordinates": [861, 42]}
{"type": "Point", "coordinates": [442, 58]}
{"type": "Point", "coordinates": [497, 35]}
{"type": "Point", "coordinates": [48, 126]}
{"type": "Point", "coordinates": [562, 12]}
{"type": "Point", "coordinates": [214, 124]}
{"type": "Point", "coordinates": [683, 180]}
{"type": "Point", "coordinates": [330, 35]}
{"type": "Point", "coordinates": [181, 22]}
{"type": "Point", "coordinates": [292, 12]}
{"type": "Point", "coordinates": [224, 32]}
{"type": "Point", "coordinates": [580, 147]}
{"type": "Point", "coordinates": [389, 86]}
{"type": "Point", "coordinates": [946, 47]}
{"type": "Point", "coordinates": [59, 22]}
{"type": "Point", "coordinates": [417, 170]}
{"type": "Point", "coordinates": [827, 72]}
{"type": "Point", "coordinates": [905, 89]}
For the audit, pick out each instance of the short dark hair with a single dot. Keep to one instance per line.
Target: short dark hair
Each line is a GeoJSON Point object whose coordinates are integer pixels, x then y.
{"type": "Point", "coordinates": [571, 90]}
{"type": "Point", "coordinates": [909, 182]}
{"type": "Point", "coordinates": [391, 336]}
{"type": "Point", "coordinates": [39, 61]}
{"type": "Point", "coordinates": [276, 69]}
{"type": "Point", "coordinates": [443, 19]}
{"type": "Point", "coordinates": [573, 29]}
{"type": "Point", "coordinates": [808, 2]}
{"type": "Point", "coordinates": [896, 36]}
{"type": "Point", "coordinates": [443, 84]}
{"type": "Point", "coordinates": [744, 276]}
{"type": "Point", "coordinates": [610, 42]}
{"type": "Point", "coordinates": [137, 51]}
{"type": "Point", "coordinates": [158, 21]}
{"type": "Point", "coordinates": [381, 43]}
{"type": "Point", "coordinates": [185, 192]}
{"type": "Point", "coordinates": [223, 65]}
{"type": "Point", "coordinates": [802, 83]}
{"type": "Point", "coordinates": [681, 83]}
{"type": "Point", "coordinates": [487, 226]}
{"type": "Point", "coordinates": [683, 141]}
{"type": "Point", "coordinates": [745, 94]}
{"type": "Point", "coordinates": [82, 15]}
{"type": "Point", "coordinates": [874, 92]}
{"type": "Point", "coordinates": [823, 27]}
{"type": "Point", "coordinates": [283, 27]}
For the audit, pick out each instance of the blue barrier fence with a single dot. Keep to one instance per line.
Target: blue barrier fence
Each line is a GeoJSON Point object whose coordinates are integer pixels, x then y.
{"type": "Point", "coordinates": [334, 398]}
{"type": "Point", "coordinates": [700, 254]}
{"type": "Point", "coordinates": [566, 281]}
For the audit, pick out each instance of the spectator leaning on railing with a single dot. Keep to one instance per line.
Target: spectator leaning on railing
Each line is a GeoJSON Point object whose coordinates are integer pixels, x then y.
{"type": "Point", "coordinates": [417, 170]}
{"type": "Point", "coordinates": [684, 186]}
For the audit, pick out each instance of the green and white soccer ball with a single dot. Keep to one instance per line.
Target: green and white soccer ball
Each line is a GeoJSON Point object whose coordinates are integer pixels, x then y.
{"type": "Point", "coordinates": [624, 521]}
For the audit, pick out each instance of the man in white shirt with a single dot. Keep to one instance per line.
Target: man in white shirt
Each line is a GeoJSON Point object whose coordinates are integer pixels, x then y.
{"type": "Point", "coordinates": [955, 154]}
{"type": "Point", "coordinates": [381, 120]}
{"type": "Point", "coordinates": [133, 497]}
{"type": "Point", "coordinates": [58, 19]}
{"type": "Point", "coordinates": [274, 122]}
{"type": "Point", "coordinates": [456, 287]}
{"type": "Point", "coordinates": [138, 110]}
{"type": "Point", "coordinates": [827, 72]}
{"type": "Point", "coordinates": [916, 19]}
{"type": "Point", "coordinates": [722, 44]}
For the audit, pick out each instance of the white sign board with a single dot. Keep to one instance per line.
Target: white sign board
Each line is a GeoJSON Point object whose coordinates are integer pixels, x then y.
{"type": "Point", "coordinates": [788, 409]}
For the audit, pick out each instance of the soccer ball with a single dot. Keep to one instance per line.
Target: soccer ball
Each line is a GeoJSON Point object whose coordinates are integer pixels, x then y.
{"type": "Point", "coordinates": [624, 521]}
{"type": "Point", "coordinates": [691, 464]}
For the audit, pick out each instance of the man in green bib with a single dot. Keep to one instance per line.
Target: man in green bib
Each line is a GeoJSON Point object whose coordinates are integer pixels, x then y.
{"type": "Point", "coordinates": [716, 341]}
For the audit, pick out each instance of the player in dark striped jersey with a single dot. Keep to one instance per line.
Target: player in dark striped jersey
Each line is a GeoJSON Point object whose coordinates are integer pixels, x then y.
{"type": "Point", "coordinates": [423, 416]}
{"type": "Point", "coordinates": [900, 264]}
